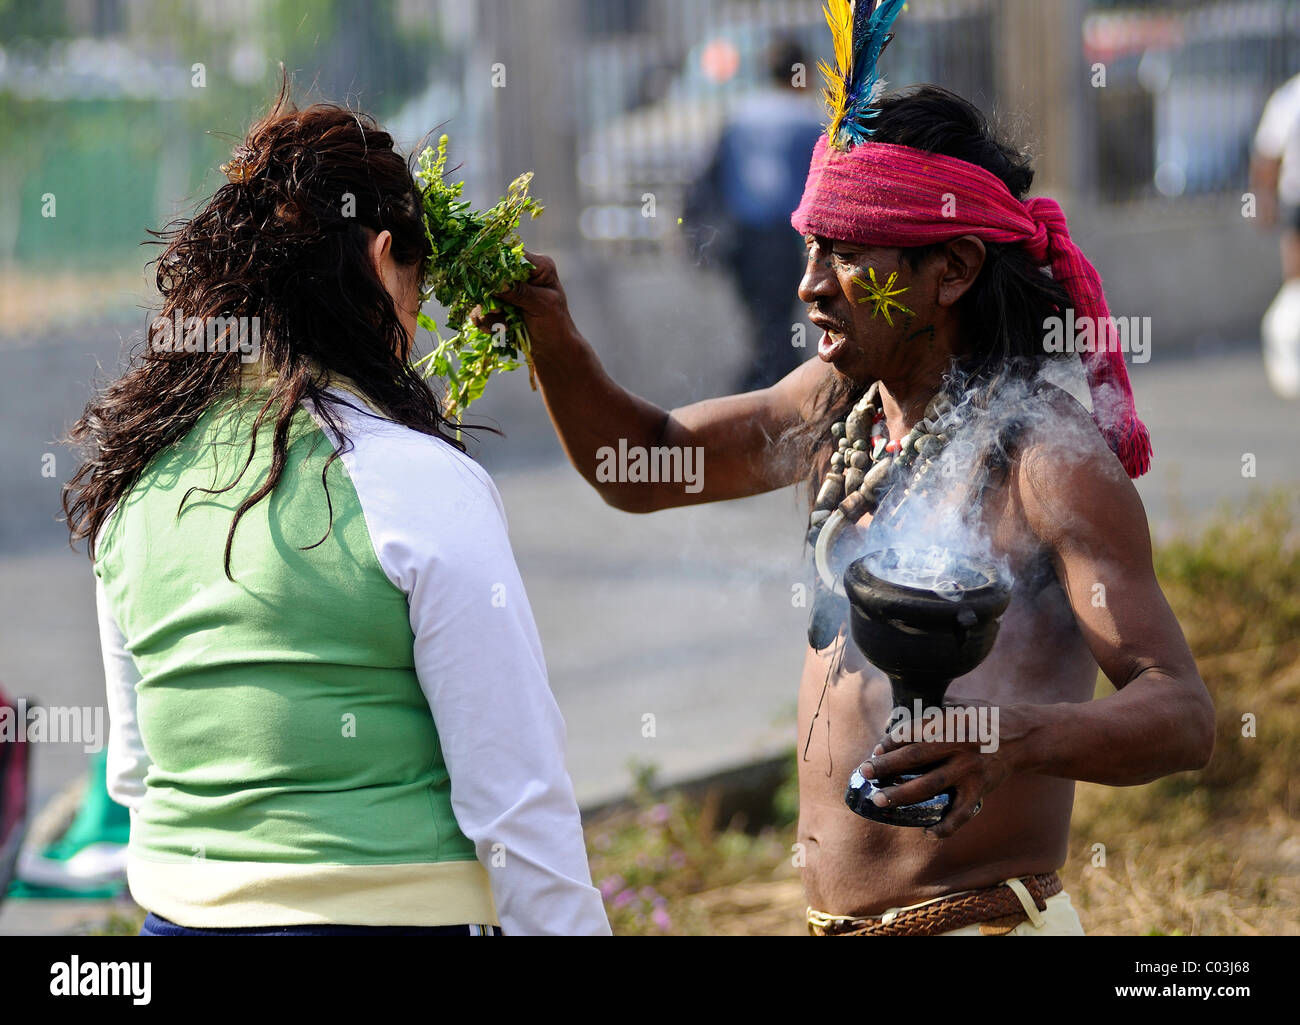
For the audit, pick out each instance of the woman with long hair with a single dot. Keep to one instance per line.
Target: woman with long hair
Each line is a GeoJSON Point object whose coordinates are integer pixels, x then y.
{"type": "Point", "coordinates": [328, 702]}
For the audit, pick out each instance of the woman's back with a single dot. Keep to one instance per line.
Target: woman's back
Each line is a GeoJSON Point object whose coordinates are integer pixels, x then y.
{"type": "Point", "coordinates": [294, 772]}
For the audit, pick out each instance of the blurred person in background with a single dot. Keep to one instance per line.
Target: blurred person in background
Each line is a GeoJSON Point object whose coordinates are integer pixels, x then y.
{"type": "Point", "coordinates": [321, 718]}
{"type": "Point", "coordinates": [1275, 177]}
{"type": "Point", "coordinates": [752, 182]}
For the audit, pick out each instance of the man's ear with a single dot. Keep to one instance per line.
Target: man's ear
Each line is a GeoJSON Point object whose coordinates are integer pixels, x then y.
{"type": "Point", "coordinates": [963, 260]}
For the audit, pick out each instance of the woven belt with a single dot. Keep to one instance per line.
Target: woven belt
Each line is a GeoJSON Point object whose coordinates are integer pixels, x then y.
{"type": "Point", "coordinates": [998, 909]}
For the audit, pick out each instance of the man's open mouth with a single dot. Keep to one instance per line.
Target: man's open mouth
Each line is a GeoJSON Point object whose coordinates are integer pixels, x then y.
{"type": "Point", "coordinates": [829, 324]}
{"type": "Point", "coordinates": [830, 347]}
{"type": "Point", "coordinates": [834, 340]}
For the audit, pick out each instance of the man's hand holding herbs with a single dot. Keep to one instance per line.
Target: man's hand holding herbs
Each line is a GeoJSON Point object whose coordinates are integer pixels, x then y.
{"type": "Point", "coordinates": [541, 301]}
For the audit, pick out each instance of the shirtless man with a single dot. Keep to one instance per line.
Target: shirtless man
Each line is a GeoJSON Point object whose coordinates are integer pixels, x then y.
{"type": "Point", "coordinates": [1064, 513]}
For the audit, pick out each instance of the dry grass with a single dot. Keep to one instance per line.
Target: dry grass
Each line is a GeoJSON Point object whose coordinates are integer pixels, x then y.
{"type": "Point", "coordinates": [669, 868]}
{"type": "Point", "coordinates": [1215, 852]}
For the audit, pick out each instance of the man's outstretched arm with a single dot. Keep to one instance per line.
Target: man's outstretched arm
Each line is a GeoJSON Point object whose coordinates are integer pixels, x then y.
{"type": "Point", "coordinates": [739, 434]}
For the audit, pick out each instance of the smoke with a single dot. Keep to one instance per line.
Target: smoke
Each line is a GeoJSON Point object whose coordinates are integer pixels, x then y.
{"type": "Point", "coordinates": [946, 572]}
{"type": "Point", "coordinates": [929, 536]}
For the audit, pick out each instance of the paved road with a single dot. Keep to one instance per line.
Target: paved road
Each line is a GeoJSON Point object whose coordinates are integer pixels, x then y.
{"type": "Point", "coordinates": [685, 615]}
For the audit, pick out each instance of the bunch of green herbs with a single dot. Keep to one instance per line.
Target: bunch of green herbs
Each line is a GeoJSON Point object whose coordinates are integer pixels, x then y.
{"type": "Point", "coordinates": [475, 256]}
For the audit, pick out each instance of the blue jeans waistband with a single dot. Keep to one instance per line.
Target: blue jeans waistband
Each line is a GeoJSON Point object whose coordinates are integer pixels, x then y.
{"type": "Point", "coordinates": [156, 925]}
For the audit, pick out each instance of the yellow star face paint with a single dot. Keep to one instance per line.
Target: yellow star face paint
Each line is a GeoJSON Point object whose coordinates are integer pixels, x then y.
{"type": "Point", "coordinates": [882, 296]}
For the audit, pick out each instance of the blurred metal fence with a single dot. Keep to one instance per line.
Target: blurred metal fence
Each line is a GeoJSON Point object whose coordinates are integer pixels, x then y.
{"type": "Point", "coordinates": [1184, 87]}
{"type": "Point", "coordinates": [657, 82]}
{"type": "Point", "coordinates": [1173, 93]}
{"type": "Point", "coordinates": [611, 101]}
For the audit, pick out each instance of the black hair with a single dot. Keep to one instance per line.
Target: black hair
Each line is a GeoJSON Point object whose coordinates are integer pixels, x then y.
{"type": "Point", "coordinates": [782, 56]}
{"type": "Point", "coordinates": [273, 245]}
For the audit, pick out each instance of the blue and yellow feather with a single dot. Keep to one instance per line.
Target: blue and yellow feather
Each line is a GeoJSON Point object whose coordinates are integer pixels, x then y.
{"type": "Point", "coordinates": [860, 30]}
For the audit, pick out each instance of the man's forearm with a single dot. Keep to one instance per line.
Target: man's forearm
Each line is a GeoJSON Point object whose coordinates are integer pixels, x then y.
{"type": "Point", "coordinates": [590, 412]}
{"type": "Point", "coordinates": [1154, 726]}
{"type": "Point", "coordinates": [741, 433]}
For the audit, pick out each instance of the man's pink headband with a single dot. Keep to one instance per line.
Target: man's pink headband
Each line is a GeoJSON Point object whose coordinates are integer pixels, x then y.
{"type": "Point", "coordinates": [877, 194]}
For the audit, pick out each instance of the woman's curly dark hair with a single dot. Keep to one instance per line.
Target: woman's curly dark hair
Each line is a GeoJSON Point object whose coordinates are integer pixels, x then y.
{"type": "Point", "coordinates": [287, 242]}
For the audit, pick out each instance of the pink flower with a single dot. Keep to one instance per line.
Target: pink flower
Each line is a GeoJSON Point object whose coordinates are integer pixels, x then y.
{"type": "Point", "coordinates": [610, 885]}
{"type": "Point", "coordinates": [661, 919]}
{"type": "Point", "coordinates": [625, 898]}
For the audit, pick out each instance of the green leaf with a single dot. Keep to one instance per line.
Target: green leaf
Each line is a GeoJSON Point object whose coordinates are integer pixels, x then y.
{"type": "Point", "coordinates": [476, 256]}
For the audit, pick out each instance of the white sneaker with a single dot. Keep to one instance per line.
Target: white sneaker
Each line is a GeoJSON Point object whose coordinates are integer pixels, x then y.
{"type": "Point", "coordinates": [1281, 335]}
{"type": "Point", "coordinates": [94, 865]}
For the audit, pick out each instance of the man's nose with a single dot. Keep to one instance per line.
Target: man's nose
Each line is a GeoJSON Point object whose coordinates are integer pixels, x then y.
{"type": "Point", "coordinates": [818, 280]}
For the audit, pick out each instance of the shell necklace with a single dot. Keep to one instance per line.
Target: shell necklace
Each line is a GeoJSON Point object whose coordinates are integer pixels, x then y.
{"type": "Point", "coordinates": [864, 468]}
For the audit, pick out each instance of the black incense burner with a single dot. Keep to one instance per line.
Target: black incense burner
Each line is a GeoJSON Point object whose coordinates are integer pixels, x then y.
{"type": "Point", "coordinates": [923, 619]}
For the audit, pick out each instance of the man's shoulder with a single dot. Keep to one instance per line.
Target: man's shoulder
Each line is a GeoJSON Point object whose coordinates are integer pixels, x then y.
{"type": "Point", "coordinates": [1055, 420]}
{"type": "Point", "coordinates": [1056, 401]}
{"type": "Point", "coordinates": [1061, 448]}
